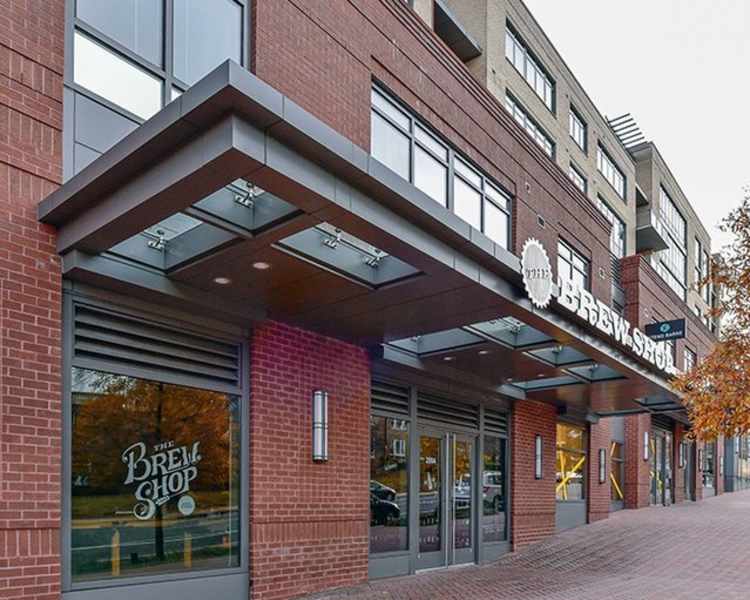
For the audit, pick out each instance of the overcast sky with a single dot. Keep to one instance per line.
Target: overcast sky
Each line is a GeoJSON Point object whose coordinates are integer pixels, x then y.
{"type": "Point", "coordinates": [682, 69]}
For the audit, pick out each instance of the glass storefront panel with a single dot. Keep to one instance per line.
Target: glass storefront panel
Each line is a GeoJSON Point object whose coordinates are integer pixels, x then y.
{"type": "Point", "coordinates": [462, 494]}
{"type": "Point", "coordinates": [617, 472]}
{"type": "Point", "coordinates": [571, 462]}
{"type": "Point", "coordinates": [493, 490]}
{"type": "Point", "coordinates": [155, 477]}
{"type": "Point", "coordinates": [389, 484]}
{"type": "Point", "coordinates": [430, 503]}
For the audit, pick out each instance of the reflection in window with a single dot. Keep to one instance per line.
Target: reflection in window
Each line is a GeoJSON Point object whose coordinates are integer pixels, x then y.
{"type": "Point", "coordinates": [136, 24]}
{"type": "Point", "coordinates": [571, 462]}
{"type": "Point", "coordinates": [206, 33]}
{"type": "Point", "coordinates": [572, 266]}
{"type": "Point", "coordinates": [430, 502]}
{"type": "Point", "coordinates": [155, 477]}
{"type": "Point", "coordinates": [404, 145]}
{"type": "Point", "coordinates": [493, 490]}
{"type": "Point", "coordinates": [389, 484]}
{"type": "Point", "coordinates": [617, 472]}
{"type": "Point", "coordinates": [114, 78]}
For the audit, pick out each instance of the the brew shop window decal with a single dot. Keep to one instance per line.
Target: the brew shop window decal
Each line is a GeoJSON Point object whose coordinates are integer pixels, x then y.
{"type": "Point", "coordinates": [155, 477]}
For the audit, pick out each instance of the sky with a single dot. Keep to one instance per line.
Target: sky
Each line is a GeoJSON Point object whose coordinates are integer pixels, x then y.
{"type": "Point", "coordinates": [682, 69]}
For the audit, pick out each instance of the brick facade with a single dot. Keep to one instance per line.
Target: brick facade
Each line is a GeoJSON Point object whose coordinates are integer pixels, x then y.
{"type": "Point", "coordinates": [532, 500]}
{"type": "Point", "coordinates": [637, 479]}
{"type": "Point", "coordinates": [308, 522]}
{"type": "Point", "coordinates": [31, 66]}
{"type": "Point", "coordinates": [599, 494]}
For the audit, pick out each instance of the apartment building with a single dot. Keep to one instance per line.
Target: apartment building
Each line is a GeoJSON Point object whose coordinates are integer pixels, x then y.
{"type": "Point", "coordinates": [296, 295]}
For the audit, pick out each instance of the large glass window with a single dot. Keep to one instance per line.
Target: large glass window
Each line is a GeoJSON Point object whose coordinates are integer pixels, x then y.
{"type": "Point", "coordinates": [115, 78]}
{"type": "Point", "coordinates": [206, 33]}
{"type": "Point", "coordinates": [572, 265]}
{"type": "Point", "coordinates": [671, 264]}
{"type": "Point", "coordinates": [155, 477]}
{"type": "Point", "coordinates": [577, 177]}
{"type": "Point", "coordinates": [571, 462]}
{"type": "Point", "coordinates": [611, 171]}
{"type": "Point", "coordinates": [577, 128]}
{"type": "Point", "coordinates": [524, 120]}
{"type": "Point", "coordinates": [404, 145]}
{"type": "Point", "coordinates": [136, 24]}
{"type": "Point", "coordinates": [494, 493]}
{"type": "Point", "coordinates": [617, 233]}
{"type": "Point", "coordinates": [389, 484]}
{"type": "Point", "coordinates": [529, 68]}
{"type": "Point", "coordinates": [689, 359]}
{"type": "Point", "coordinates": [617, 472]}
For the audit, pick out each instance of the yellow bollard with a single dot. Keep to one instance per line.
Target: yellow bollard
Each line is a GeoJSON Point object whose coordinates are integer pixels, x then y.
{"type": "Point", "coordinates": [116, 553]}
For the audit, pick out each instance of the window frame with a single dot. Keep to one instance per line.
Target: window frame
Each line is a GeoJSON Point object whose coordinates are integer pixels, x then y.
{"type": "Point", "coordinates": [615, 221]}
{"type": "Point", "coordinates": [575, 116]}
{"type": "Point", "coordinates": [584, 452]}
{"type": "Point", "coordinates": [171, 320]}
{"type": "Point", "coordinates": [574, 170]}
{"type": "Point", "coordinates": [456, 163]}
{"type": "Point", "coordinates": [163, 72]}
{"type": "Point", "coordinates": [530, 61]}
{"type": "Point", "coordinates": [673, 225]}
{"type": "Point", "coordinates": [604, 157]}
{"type": "Point", "coordinates": [571, 263]}
{"type": "Point", "coordinates": [515, 108]}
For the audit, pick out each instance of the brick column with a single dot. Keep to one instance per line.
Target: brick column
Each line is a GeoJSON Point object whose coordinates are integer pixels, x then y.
{"type": "Point", "coordinates": [532, 500]}
{"type": "Point", "coordinates": [31, 67]}
{"type": "Point", "coordinates": [637, 478]}
{"type": "Point", "coordinates": [308, 521]}
{"type": "Point", "coordinates": [598, 493]}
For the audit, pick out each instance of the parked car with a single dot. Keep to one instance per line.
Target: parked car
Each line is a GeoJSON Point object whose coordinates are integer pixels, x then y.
{"type": "Point", "coordinates": [382, 491]}
{"type": "Point", "coordinates": [383, 512]}
{"type": "Point", "coordinates": [492, 491]}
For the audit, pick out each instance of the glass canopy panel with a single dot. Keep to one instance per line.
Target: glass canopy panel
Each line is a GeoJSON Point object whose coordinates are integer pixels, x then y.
{"type": "Point", "coordinates": [335, 250]}
{"type": "Point", "coordinates": [171, 227]}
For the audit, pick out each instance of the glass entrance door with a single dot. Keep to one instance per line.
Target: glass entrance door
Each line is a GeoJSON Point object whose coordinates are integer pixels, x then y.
{"type": "Point", "coordinates": [661, 468]}
{"type": "Point", "coordinates": [447, 466]}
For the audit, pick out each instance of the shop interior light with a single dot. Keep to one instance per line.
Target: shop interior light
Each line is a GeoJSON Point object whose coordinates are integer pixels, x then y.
{"type": "Point", "coordinates": [538, 457]}
{"type": "Point", "coordinates": [320, 426]}
{"type": "Point", "coordinates": [645, 445]}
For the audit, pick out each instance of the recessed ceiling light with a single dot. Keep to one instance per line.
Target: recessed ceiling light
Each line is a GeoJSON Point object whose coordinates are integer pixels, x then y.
{"type": "Point", "coordinates": [509, 380]}
{"type": "Point", "coordinates": [261, 265]}
{"type": "Point", "coordinates": [222, 280]}
{"type": "Point", "coordinates": [449, 358]}
{"type": "Point", "coordinates": [540, 375]}
{"type": "Point", "coordinates": [483, 352]}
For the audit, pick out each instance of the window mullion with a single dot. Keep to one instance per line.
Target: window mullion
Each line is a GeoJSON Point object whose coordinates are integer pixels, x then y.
{"type": "Point", "coordinates": [168, 49]}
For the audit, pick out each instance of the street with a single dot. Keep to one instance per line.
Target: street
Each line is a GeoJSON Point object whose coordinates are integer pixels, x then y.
{"type": "Point", "coordinates": [686, 551]}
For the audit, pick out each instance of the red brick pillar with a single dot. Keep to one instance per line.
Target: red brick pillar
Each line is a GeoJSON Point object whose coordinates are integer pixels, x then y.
{"type": "Point", "coordinates": [637, 478]}
{"type": "Point", "coordinates": [699, 447]}
{"type": "Point", "coordinates": [679, 471]}
{"type": "Point", "coordinates": [31, 92]}
{"type": "Point", "coordinates": [308, 521]}
{"type": "Point", "coordinates": [532, 500]}
{"type": "Point", "coordinates": [598, 493]}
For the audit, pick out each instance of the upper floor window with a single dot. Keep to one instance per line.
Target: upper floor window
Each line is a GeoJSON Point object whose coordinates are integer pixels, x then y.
{"type": "Point", "coordinates": [572, 265]}
{"type": "Point", "coordinates": [577, 177]}
{"type": "Point", "coordinates": [617, 234]}
{"type": "Point", "coordinates": [524, 120]}
{"type": "Point", "coordinates": [671, 263]}
{"type": "Point", "coordinates": [529, 68]}
{"type": "Point", "coordinates": [131, 57]}
{"type": "Point", "coordinates": [701, 271]}
{"type": "Point", "coordinates": [407, 147]}
{"type": "Point", "coordinates": [689, 359]}
{"type": "Point", "coordinates": [577, 128]}
{"type": "Point", "coordinates": [611, 171]}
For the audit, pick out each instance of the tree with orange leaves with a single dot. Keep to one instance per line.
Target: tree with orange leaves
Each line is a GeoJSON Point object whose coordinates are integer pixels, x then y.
{"type": "Point", "coordinates": [716, 391]}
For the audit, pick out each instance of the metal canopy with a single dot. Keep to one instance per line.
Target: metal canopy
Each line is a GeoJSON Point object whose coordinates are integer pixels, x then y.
{"type": "Point", "coordinates": [235, 201]}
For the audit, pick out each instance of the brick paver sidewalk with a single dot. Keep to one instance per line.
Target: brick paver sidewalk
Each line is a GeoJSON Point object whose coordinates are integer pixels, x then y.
{"type": "Point", "coordinates": [687, 551]}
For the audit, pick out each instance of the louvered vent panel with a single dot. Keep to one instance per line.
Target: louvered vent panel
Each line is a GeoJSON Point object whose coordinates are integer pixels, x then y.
{"type": "Point", "coordinates": [389, 397]}
{"type": "Point", "coordinates": [104, 338]}
{"type": "Point", "coordinates": [496, 422]}
{"type": "Point", "coordinates": [447, 412]}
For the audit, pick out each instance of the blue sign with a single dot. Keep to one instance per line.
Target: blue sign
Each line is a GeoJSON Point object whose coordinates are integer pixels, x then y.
{"type": "Point", "coordinates": [666, 330]}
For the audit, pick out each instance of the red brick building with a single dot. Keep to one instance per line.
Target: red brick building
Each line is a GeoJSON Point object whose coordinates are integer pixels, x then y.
{"type": "Point", "coordinates": [256, 257]}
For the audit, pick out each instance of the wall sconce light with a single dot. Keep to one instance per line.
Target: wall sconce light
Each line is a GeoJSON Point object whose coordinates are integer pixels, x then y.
{"type": "Point", "coordinates": [683, 454]}
{"type": "Point", "coordinates": [700, 460]}
{"type": "Point", "coordinates": [721, 466]}
{"type": "Point", "coordinates": [602, 465]}
{"type": "Point", "coordinates": [538, 457]}
{"type": "Point", "coordinates": [645, 445]}
{"type": "Point", "coordinates": [320, 426]}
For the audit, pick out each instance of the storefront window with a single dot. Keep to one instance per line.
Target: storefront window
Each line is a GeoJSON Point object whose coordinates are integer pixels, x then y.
{"type": "Point", "coordinates": [155, 477]}
{"type": "Point", "coordinates": [708, 466]}
{"type": "Point", "coordinates": [389, 484]}
{"type": "Point", "coordinates": [571, 462]}
{"type": "Point", "coordinates": [493, 490]}
{"type": "Point", "coordinates": [617, 473]}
